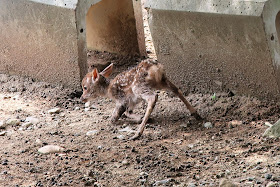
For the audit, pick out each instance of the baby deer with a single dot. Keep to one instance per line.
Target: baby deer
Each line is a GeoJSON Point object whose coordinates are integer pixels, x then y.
{"type": "Point", "coordinates": [130, 87]}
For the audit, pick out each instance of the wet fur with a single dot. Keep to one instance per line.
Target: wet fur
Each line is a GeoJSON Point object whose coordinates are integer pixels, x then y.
{"type": "Point", "coordinates": [127, 89]}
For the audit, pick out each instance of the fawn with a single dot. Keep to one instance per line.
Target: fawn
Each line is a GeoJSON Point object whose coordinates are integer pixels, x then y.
{"type": "Point", "coordinates": [127, 89]}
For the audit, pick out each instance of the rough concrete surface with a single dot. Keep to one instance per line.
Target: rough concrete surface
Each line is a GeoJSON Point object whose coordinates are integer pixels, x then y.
{"type": "Point", "coordinates": [39, 41]}
{"type": "Point", "coordinates": [46, 40]}
{"type": "Point", "coordinates": [218, 45]}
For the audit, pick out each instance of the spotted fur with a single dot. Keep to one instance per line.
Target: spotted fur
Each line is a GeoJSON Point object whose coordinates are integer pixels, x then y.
{"type": "Point", "coordinates": [130, 87]}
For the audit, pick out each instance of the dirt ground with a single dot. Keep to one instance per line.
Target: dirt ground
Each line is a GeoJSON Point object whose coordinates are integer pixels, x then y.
{"type": "Point", "coordinates": [175, 150]}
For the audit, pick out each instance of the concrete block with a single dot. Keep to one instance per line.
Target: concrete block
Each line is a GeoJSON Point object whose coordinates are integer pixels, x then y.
{"type": "Point", "coordinates": [48, 40]}
{"type": "Point", "coordinates": [218, 45]}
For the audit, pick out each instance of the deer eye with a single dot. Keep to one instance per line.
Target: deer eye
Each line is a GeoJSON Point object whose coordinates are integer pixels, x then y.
{"type": "Point", "coordinates": [85, 88]}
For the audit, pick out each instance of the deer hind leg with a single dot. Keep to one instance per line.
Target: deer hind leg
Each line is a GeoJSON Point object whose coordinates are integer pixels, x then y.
{"type": "Point", "coordinates": [151, 100]}
{"type": "Point", "coordinates": [118, 111]}
{"type": "Point", "coordinates": [169, 85]}
{"type": "Point", "coordinates": [132, 102]}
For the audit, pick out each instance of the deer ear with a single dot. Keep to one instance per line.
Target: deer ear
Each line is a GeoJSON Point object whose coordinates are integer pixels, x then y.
{"type": "Point", "coordinates": [107, 71]}
{"type": "Point", "coordinates": [95, 75]}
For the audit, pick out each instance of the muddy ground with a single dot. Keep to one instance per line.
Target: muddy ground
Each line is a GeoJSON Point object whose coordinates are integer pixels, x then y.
{"type": "Point", "coordinates": [175, 150]}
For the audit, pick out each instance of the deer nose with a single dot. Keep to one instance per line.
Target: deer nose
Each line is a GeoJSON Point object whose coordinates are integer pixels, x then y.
{"type": "Point", "coordinates": [83, 99]}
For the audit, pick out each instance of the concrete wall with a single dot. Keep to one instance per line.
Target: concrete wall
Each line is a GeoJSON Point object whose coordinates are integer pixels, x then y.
{"type": "Point", "coordinates": [38, 40]}
{"type": "Point", "coordinates": [46, 39]}
{"type": "Point", "coordinates": [217, 45]}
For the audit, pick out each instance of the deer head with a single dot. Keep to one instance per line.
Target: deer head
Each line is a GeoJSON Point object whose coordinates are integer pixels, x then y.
{"type": "Point", "coordinates": [95, 84]}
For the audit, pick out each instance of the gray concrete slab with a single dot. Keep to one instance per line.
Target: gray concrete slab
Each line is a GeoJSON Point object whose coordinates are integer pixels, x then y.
{"type": "Point", "coordinates": [215, 45]}
{"type": "Point", "coordinates": [46, 39]}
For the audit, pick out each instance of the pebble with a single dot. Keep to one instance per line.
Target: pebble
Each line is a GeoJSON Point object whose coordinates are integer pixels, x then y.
{"type": "Point", "coordinates": [99, 147]}
{"type": "Point", "coordinates": [32, 120]}
{"type": "Point", "coordinates": [275, 178]}
{"type": "Point", "coordinates": [268, 124]}
{"type": "Point", "coordinates": [12, 122]}
{"type": "Point", "coordinates": [125, 162]}
{"type": "Point", "coordinates": [87, 104]}
{"type": "Point", "coordinates": [236, 122]}
{"type": "Point", "coordinates": [16, 97]}
{"type": "Point", "coordinates": [39, 142]}
{"type": "Point", "coordinates": [3, 125]}
{"type": "Point", "coordinates": [271, 184]}
{"type": "Point", "coordinates": [50, 149]}
{"type": "Point", "coordinates": [121, 137]}
{"type": "Point", "coordinates": [208, 125]}
{"type": "Point", "coordinates": [5, 172]}
{"type": "Point", "coordinates": [268, 176]}
{"type": "Point", "coordinates": [144, 174]}
{"type": "Point", "coordinates": [54, 111]}
{"type": "Point", "coordinates": [26, 125]}
{"type": "Point", "coordinates": [91, 133]}
{"type": "Point", "coordinates": [3, 133]}
{"type": "Point", "coordinates": [226, 183]}
{"type": "Point", "coordinates": [251, 178]}
{"type": "Point", "coordinates": [162, 182]}
{"type": "Point", "coordinates": [126, 129]}
{"type": "Point", "coordinates": [191, 185]}
{"type": "Point", "coordinates": [273, 131]}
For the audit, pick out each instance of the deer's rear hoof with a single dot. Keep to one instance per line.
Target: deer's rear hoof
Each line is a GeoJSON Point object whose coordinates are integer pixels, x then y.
{"type": "Point", "coordinates": [135, 137]}
{"type": "Point", "coordinates": [197, 116]}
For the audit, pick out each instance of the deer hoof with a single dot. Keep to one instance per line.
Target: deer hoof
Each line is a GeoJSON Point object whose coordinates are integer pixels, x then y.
{"type": "Point", "coordinates": [135, 137]}
{"type": "Point", "coordinates": [196, 116]}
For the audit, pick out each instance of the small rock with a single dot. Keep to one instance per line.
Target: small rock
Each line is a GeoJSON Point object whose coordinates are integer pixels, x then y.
{"type": "Point", "coordinates": [5, 172]}
{"type": "Point", "coordinates": [93, 132]}
{"type": "Point", "coordinates": [162, 182]}
{"type": "Point", "coordinates": [208, 125]}
{"type": "Point", "coordinates": [191, 146]}
{"type": "Point", "coordinates": [273, 131]}
{"type": "Point", "coordinates": [32, 120]}
{"type": "Point", "coordinates": [275, 178]}
{"type": "Point", "coordinates": [125, 162]}
{"type": "Point", "coordinates": [3, 125]}
{"type": "Point", "coordinates": [143, 175]}
{"type": "Point", "coordinates": [3, 133]}
{"type": "Point", "coordinates": [178, 142]}
{"type": "Point", "coordinates": [99, 147]}
{"type": "Point", "coordinates": [121, 137]}
{"type": "Point", "coordinates": [87, 109]}
{"type": "Point", "coordinates": [12, 122]}
{"type": "Point", "coordinates": [184, 126]}
{"type": "Point", "coordinates": [126, 129]}
{"type": "Point", "coordinates": [77, 108]}
{"type": "Point", "coordinates": [5, 162]}
{"type": "Point", "coordinates": [39, 142]}
{"type": "Point", "coordinates": [51, 149]}
{"type": "Point", "coordinates": [87, 104]}
{"type": "Point", "coordinates": [251, 178]}
{"type": "Point", "coordinates": [268, 124]}
{"type": "Point", "coordinates": [191, 185]}
{"type": "Point", "coordinates": [272, 184]}
{"type": "Point", "coordinates": [26, 125]}
{"type": "Point", "coordinates": [226, 183]}
{"type": "Point", "coordinates": [54, 111]}
{"type": "Point", "coordinates": [16, 97]}
{"type": "Point", "coordinates": [236, 122]}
